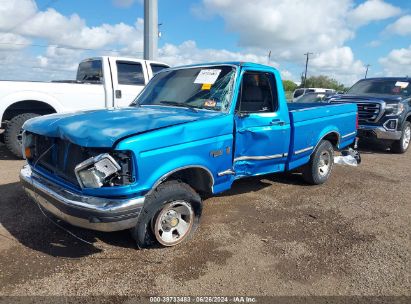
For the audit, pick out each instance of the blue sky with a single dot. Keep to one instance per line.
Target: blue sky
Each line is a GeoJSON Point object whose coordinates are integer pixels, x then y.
{"type": "Point", "coordinates": [344, 35]}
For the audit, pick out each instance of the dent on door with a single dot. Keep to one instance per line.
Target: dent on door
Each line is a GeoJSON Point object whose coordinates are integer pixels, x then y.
{"type": "Point", "coordinates": [261, 144]}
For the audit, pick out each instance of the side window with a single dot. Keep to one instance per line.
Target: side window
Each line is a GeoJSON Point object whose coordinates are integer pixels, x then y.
{"type": "Point", "coordinates": [90, 71]}
{"type": "Point", "coordinates": [298, 93]}
{"type": "Point", "coordinates": [258, 93]}
{"type": "Point", "coordinates": [130, 73]}
{"type": "Point", "coordinates": [155, 68]}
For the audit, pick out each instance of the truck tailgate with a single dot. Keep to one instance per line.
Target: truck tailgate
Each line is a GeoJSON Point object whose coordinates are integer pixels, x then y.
{"type": "Point", "coordinates": [312, 122]}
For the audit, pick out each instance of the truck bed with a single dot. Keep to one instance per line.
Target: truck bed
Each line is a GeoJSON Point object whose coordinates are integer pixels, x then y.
{"type": "Point", "coordinates": [312, 121]}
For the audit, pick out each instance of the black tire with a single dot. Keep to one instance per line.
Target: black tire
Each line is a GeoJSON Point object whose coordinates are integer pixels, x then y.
{"type": "Point", "coordinates": [401, 146]}
{"type": "Point", "coordinates": [314, 172]}
{"type": "Point", "coordinates": [165, 194]}
{"type": "Point", "coordinates": [13, 131]}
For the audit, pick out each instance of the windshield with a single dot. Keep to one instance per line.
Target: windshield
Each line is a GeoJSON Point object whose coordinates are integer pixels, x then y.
{"type": "Point", "coordinates": [201, 87]}
{"type": "Point", "coordinates": [381, 87]}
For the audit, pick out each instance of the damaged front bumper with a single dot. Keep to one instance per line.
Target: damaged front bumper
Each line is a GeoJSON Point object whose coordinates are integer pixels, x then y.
{"type": "Point", "coordinates": [96, 213]}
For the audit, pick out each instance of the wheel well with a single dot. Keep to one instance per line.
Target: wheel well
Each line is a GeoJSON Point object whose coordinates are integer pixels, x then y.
{"type": "Point", "coordinates": [27, 106]}
{"type": "Point", "coordinates": [333, 138]}
{"type": "Point", "coordinates": [409, 118]}
{"type": "Point", "coordinates": [200, 179]}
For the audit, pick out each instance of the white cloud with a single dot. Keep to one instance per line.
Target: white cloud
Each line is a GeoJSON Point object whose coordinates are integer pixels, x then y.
{"type": "Point", "coordinates": [10, 41]}
{"type": "Point", "coordinates": [188, 52]}
{"type": "Point", "coordinates": [372, 10]}
{"type": "Point", "coordinates": [401, 26]}
{"type": "Point", "coordinates": [288, 28]}
{"type": "Point", "coordinates": [338, 63]}
{"type": "Point", "coordinates": [14, 13]}
{"type": "Point", "coordinates": [397, 62]}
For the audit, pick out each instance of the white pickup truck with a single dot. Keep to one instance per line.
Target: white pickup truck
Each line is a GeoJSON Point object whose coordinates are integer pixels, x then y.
{"type": "Point", "coordinates": [101, 82]}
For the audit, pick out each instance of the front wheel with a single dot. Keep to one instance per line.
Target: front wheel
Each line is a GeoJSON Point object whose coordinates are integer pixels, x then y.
{"type": "Point", "coordinates": [402, 145]}
{"type": "Point", "coordinates": [170, 215]}
{"type": "Point", "coordinates": [318, 170]}
{"type": "Point", "coordinates": [13, 133]}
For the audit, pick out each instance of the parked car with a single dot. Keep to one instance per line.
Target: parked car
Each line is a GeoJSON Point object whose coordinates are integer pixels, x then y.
{"type": "Point", "coordinates": [193, 130]}
{"type": "Point", "coordinates": [384, 107]}
{"type": "Point", "coordinates": [300, 92]}
{"type": "Point", "coordinates": [314, 97]}
{"type": "Point", "coordinates": [101, 82]}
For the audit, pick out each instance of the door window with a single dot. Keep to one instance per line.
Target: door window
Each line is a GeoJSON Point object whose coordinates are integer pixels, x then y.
{"type": "Point", "coordinates": [258, 93]}
{"type": "Point", "coordinates": [130, 73]}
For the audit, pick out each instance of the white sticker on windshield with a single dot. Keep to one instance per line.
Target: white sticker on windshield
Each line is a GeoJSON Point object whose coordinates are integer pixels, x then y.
{"type": "Point", "coordinates": [402, 84]}
{"type": "Point", "coordinates": [207, 76]}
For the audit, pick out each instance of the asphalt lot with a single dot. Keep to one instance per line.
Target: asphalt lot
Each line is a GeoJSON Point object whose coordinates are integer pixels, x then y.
{"type": "Point", "coordinates": [271, 235]}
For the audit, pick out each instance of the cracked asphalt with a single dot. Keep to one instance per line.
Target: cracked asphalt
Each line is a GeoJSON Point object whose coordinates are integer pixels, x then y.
{"type": "Point", "coordinates": [271, 235]}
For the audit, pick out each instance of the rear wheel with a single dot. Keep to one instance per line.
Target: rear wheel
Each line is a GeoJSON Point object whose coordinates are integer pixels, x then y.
{"type": "Point", "coordinates": [319, 169]}
{"type": "Point", "coordinates": [402, 145]}
{"type": "Point", "coordinates": [170, 215]}
{"type": "Point", "coordinates": [14, 131]}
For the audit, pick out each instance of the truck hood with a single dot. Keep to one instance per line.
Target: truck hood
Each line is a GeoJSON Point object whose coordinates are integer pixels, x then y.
{"type": "Point", "coordinates": [103, 128]}
{"type": "Point", "coordinates": [371, 97]}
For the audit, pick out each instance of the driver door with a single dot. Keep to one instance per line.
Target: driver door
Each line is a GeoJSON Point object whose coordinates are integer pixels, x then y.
{"type": "Point", "coordinates": [262, 135]}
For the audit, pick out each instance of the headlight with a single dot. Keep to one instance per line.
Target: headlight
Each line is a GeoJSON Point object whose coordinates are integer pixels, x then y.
{"type": "Point", "coordinates": [394, 109]}
{"type": "Point", "coordinates": [94, 172]}
{"type": "Point", "coordinates": [27, 143]}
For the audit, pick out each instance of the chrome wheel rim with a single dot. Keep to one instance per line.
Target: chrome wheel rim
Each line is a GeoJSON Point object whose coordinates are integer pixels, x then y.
{"type": "Point", "coordinates": [406, 138]}
{"type": "Point", "coordinates": [324, 163]}
{"type": "Point", "coordinates": [173, 223]}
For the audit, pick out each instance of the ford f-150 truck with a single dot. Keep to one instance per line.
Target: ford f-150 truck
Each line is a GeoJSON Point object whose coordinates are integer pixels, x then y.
{"type": "Point", "coordinates": [384, 107]}
{"type": "Point", "coordinates": [191, 132]}
{"type": "Point", "coordinates": [101, 82]}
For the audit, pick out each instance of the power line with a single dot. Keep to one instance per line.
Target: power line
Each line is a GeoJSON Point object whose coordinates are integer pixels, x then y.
{"type": "Point", "coordinates": [61, 47]}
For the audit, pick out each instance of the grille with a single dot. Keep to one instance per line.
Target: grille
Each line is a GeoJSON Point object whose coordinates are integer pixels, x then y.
{"type": "Point", "coordinates": [60, 157]}
{"type": "Point", "coordinates": [367, 111]}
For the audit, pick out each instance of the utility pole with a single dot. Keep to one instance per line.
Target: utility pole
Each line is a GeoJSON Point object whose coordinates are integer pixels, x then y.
{"type": "Point", "coordinates": [306, 66]}
{"type": "Point", "coordinates": [366, 71]}
{"type": "Point", "coordinates": [150, 29]}
{"type": "Point", "coordinates": [269, 57]}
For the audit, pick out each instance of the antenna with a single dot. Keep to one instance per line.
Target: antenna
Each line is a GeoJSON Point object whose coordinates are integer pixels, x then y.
{"type": "Point", "coordinates": [366, 71]}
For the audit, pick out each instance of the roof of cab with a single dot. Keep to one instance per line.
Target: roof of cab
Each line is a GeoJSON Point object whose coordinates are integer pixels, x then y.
{"type": "Point", "coordinates": [234, 63]}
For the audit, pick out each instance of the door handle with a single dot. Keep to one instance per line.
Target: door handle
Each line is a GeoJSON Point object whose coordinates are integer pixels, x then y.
{"type": "Point", "coordinates": [118, 93]}
{"type": "Point", "coordinates": [277, 122]}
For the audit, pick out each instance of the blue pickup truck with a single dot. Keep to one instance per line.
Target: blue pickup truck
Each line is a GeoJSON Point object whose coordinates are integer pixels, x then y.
{"type": "Point", "coordinates": [192, 131]}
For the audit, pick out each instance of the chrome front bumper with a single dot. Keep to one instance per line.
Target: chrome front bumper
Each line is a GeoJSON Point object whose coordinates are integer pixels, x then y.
{"type": "Point", "coordinates": [102, 214]}
{"type": "Point", "coordinates": [379, 132]}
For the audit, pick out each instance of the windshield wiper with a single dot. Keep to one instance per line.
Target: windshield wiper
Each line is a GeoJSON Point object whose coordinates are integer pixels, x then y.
{"type": "Point", "coordinates": [179, 104]}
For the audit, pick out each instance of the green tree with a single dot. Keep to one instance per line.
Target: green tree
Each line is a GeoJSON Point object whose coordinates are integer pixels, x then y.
{"type": "Point", "coordinates": [323, 82]}
{"type": "Point", "coordinates": [289, 86]}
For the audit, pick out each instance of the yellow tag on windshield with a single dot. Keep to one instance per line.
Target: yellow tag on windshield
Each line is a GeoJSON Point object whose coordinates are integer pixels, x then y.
{"type": "Point", "coordinates": [206, 86]}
